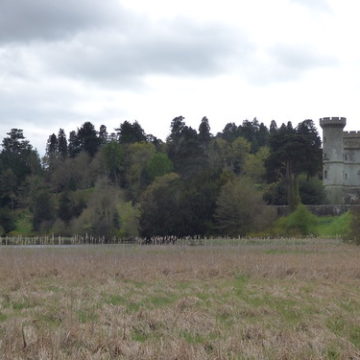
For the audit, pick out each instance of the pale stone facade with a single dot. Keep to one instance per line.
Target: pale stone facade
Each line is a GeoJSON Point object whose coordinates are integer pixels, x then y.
{"type": "Point", "coordinates": [341, 161]}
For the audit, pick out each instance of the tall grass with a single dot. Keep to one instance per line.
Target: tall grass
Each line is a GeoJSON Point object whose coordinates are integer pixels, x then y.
{"type": "Point", "coordinates": [273, 301]}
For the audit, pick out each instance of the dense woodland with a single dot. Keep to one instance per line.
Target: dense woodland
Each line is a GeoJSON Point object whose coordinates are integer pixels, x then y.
{"type": "Point", "coordinates": [127, 183]}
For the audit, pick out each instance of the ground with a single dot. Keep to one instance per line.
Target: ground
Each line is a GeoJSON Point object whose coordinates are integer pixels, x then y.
{"type": "Point", "coordinates": [247, 299]}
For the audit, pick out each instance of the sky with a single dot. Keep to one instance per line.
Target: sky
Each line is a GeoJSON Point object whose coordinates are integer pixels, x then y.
{"type": "Point", "coordinates": [66, 62]}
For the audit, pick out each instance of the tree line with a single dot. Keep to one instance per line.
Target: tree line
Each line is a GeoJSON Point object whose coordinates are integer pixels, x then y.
{"type": "Point", "coordinates": [128, 183]}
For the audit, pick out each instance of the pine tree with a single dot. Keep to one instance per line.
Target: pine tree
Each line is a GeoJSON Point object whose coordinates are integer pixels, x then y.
{"type": "Point", "coordinates": [62, 144]}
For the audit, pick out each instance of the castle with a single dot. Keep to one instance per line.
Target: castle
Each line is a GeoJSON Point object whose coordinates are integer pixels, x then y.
{"type": "Point", "coordinates": [341, 161]}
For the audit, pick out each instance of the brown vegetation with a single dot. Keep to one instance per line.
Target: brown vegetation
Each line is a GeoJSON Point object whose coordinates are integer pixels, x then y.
{"type": "Point", "coordinates": [296, 299]}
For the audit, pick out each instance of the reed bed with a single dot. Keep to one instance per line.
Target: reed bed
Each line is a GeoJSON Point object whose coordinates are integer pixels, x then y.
{"type": "Point", "coordinates": [248, 299]}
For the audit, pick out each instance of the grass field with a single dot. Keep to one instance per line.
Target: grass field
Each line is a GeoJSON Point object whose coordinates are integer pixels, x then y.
{"type": "Point", "coordinates": [278, 299]}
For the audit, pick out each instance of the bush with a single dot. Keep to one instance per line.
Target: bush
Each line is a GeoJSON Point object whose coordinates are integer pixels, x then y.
{"type": "Point", "coordinates": [354, 231]}
{"type": "Point", "coordinates": [7, 221]}
{"type": "Point", "coordinates": [240, 209]}
{"type": "Point", "coordinates": [301, 222]}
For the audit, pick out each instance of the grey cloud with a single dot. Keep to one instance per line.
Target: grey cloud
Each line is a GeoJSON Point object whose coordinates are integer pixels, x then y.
{"type": "Point", "coordinates": [42, 108]}
{"type": "Point", "coordinates": [300, 57]}
{"type": "Point", "coordinates": [284, 63]}
{"type": "Point", "coordinates": [26, 20]}
{"type": "Point", "coordinates": [99, 41]}
{"type": "Point", "coordinates": [124, 57]}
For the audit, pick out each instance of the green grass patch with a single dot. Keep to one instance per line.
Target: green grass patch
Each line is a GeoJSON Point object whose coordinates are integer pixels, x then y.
{"type": "Point", "coordinates": [86, 316]}
{"type": "Point", "coordinates": [133, 307]}
{"type": "Point", "coordinates": [159, 301]}
{"type": "Point", "coordinates": [51, 319]}
{"type": "Point", "coordinates": [334, 226]}
{"type": "Point", "coordinates": [139, 335]}
{"type": "Point", "coordinates": [240, 284]}
{"type": "Point", "coordinates": [332, 354]}
{"type": "Point", "coordinates": [193, 338]}
{"type": "Point", "coordinates": [21, 305]}
{"type": "Point", "coordinates": [336, 325]}
{"type": "Point", "coordinates": [116, 300]}
{"type": "Point", "coordinates": [355, 336]}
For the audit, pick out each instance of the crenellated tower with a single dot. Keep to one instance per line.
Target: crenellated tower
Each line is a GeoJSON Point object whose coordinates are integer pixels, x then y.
{"type": "Point", "coordinates": [333, 158]}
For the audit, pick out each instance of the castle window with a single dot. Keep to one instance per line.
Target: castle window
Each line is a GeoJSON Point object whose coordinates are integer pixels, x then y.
{"type": "Point", "coordinates": [346, 176]}
{"type": "Point", "coordinates": [346, 157]}
{"type": "Point", "coordinates": [359, 172]}
{"type": "Point", "coordinates": [326, 174]}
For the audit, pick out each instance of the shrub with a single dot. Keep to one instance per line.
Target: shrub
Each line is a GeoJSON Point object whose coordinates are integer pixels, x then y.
{"type": "Point", "coordinates": [240, 209]}
{"type": "Point", "coordinates": [354, 231]}
{"type": "Point", "coordinates": [300, 222]}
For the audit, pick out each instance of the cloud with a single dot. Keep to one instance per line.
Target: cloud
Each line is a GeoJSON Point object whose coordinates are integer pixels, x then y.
{"type": "Point", "coordinates": [284, 63]}
{"type": "Point", "coordinates": [300, 58]}
{"type": "Point", "coordinates": [28, 20]}
{"type": "Point", "coordinates": [123, 57]}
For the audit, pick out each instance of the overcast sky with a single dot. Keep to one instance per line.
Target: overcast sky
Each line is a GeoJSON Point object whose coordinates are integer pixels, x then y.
{"type": "Point", "coordinates": [66, 62]}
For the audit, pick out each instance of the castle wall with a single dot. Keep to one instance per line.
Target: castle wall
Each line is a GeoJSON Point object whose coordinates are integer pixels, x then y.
{"type": "Point", "coordinates": [341, 161]}
{"type": "Point", "coordinates": [333, 158]}
{"type": "Point", "coordinates": [351, 159]}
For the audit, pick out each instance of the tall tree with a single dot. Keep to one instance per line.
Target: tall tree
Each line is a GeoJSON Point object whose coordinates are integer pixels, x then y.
{"type": "Point", "coordinates": [74, 144]}
{"type": "Point", "coordinates": [184, 149]}
{"type": "Point", "coordinates": [18, 155]}
{"type": "Point", "coordinates": [103, 135]}
{"type": "Point", "coordinates": [88, 138]}
{"type": "Point", "coordinates": [15, 142]}
{"type": "Point", "coordinates": [293, 151]}
{"type": "Point", "coordinates": [62, 144]}
{"type": "Point", "coordinates": [52, 145]}
{"type": "Point", "coordinates": [240, 209]}
{"type": "Point", "coordinates": [130, 133]}
{"type": "Point", "coordinates": [230, 132]}
{"type": "Point", "coordinates": [204, 131]}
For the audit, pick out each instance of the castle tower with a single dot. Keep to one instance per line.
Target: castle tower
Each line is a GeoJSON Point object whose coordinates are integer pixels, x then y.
{"type": "Point", "coordinates": [333, 158]}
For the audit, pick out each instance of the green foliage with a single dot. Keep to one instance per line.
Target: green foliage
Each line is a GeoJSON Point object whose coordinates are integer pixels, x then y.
{"type": "Point", "coordinates": [240, 209]}
{"type": "Point", "coordinates": [159, 165]}
{"type": "Point", "coordinates": [127, 182]}
{"type": "Point", "coordinates": [100, 218]}
{"type": "Point", "coordinates": [354, 229]}
{"type": "Point", "coordinates": [300, 222]}
{"type": "Point", "coordinates": [7, 221]}
{"type": "Point", "coordinates": [130, 133]}
{"type": "Point", "coordinates": [334, 226]}
{"type": "Point", "coordinates": [303, 223]}
{"type": "Point", "coordinates": [254, 166]}
{"type": "Point", "coordinates": [294, 151]}
{"type": "Point", "coordinates": [112, 156]}
{"type": "Point", "coordinates": [129, 219]}
{"type": "Point", "coordinates": [276, 193]}
{"type": "Point", "coordinates": [160, 206]}
{"type": "Point", "coordinates": [311, 190]}
{"type": "Point", "coordinates": [23, 223]}
{"type": "Point", "coordinates": [43, 209]}
{"type": "Point", "coordinates": [138, 157]}
{"type": "Point", "coordinates": [73, 174]}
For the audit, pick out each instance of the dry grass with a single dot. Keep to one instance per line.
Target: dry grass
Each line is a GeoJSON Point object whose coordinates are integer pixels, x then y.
{"type": "Point", "coordinates": [260, 300]}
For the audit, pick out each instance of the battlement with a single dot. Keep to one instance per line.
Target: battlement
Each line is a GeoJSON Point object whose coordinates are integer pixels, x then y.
{"type": "Point", "coordinates": [333, 122]}
{"type": "Point", "coordinates": [352, 134]}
